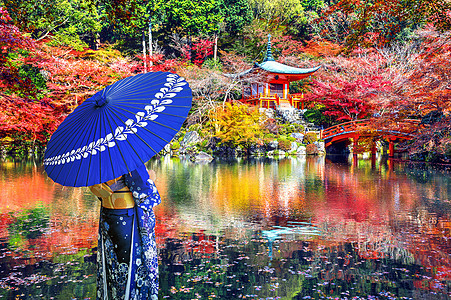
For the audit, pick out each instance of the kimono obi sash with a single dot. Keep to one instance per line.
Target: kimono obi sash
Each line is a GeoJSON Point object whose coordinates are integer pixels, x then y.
{"type": "Point", "coordinates": [114, 194]}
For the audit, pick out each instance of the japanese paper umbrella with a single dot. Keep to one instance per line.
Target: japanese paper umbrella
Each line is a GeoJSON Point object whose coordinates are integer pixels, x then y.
{"type": "Point", "coordinates": [117, 129]}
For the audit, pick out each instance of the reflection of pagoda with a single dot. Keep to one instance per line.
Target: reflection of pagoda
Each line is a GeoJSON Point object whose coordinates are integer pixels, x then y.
{"type": "Point", "coordinates": [273, 90]}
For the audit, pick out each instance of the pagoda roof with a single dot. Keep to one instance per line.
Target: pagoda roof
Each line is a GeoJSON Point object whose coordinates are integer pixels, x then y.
{"type": "Point", "coordinates": [275, 67]}
{"type": "Point", "coordinates": [269, 64]}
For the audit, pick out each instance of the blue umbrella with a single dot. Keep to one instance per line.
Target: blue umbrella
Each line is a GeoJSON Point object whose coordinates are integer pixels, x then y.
{"type": "Point", "coordinates": [118, 129]}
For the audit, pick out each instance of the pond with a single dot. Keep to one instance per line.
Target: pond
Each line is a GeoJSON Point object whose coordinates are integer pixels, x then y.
{"type": "Point", "coordinates": [291, 228]}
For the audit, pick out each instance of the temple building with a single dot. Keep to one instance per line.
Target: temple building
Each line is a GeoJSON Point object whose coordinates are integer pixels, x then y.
{"type": "Point", "coordinates": [272, 90]}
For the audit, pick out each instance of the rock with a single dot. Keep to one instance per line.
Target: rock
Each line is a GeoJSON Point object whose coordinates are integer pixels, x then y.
{"type": "Point", "coordinates": [212, 143]}
{"type": "Point", "coordinates": [273, 145]}
{"type": "Point", "coordinates": [301, 150]}
{"type": "Point", "coordinates": [240, 151]}
{"type": "Point", "coordinates": [167, 148]}
{"type": "Point", "coordinates": [298, 136]}
{"type": "Point", "coordinates": [294, 146]}
{"type": "Point", "coordinates": [256, 150]}
{"type": "Point", "coordinates": [191, 137]}
{"type": "Point", "coordinates": [224, 151]}
{"type": "Point", "coordinates": [321, 147]}
{"type": "Point", "coordinates": [270, 153]}
{"type": "Point", "coordinates": [269, 112]}
{"type": "Point", "coordinates": [201, 157]}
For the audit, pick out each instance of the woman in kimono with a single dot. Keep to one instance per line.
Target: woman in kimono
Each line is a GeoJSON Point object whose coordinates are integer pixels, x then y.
{"type": "Point", "coordinates": [127, 252]}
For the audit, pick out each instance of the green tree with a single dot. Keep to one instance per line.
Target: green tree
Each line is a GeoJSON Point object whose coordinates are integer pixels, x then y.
{"type": "Point", "coordinates": [278, 11]}
{"type": "Point", "coordinates": [189, 17]}
{"type": "Point", "coordinates": [67, 22]}
{"type": "Point", "coordinates": [236, 14]}
{"type": "Point", "coordinates": [128, 20]}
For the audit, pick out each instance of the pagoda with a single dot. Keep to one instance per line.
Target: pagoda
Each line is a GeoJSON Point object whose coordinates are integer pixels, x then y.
{"type": "Point", "coordinates": [273, 90]}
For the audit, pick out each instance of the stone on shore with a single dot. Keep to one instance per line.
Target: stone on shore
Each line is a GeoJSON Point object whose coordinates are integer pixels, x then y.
{"type": "Point", "coordinates": [201, 157]}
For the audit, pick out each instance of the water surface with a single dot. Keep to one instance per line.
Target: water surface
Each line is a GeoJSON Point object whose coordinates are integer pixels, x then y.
{"type": "Point", "coordinates": [292, 228]}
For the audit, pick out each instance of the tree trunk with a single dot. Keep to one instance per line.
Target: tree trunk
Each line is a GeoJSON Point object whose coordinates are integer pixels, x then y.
{"type": "Point", "coordinates": [144, 52]}
{"type": "Point", "coordinates": [97, 41]}
{"type": "Point", "coordinates": [150, 45]}
{"type": "Point", "coordinates": [215, 53]}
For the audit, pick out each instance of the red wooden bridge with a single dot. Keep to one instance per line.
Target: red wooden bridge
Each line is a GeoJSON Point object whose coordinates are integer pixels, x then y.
{"type": "Point", "coordinates": [394, 132]}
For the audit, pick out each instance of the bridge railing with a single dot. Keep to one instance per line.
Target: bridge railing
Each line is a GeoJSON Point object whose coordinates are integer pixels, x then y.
{"type": "Point", "coordinates": [405, 127]}
{"type": "Point", "coordinates": [341, 128]}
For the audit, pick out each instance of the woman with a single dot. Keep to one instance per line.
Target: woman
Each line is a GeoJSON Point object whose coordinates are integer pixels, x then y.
{"type": "Point", "coordinates": [127, 252]}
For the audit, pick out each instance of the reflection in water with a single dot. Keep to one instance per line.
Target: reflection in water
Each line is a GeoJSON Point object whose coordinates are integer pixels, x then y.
{"type": "Point", "coordinates": [295, 228]}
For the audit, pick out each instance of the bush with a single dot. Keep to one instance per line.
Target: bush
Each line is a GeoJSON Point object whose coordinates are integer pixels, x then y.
{"type": "Point", "coordinates": [287, 129]}
{"type": "Point", "coordinates": [310, 138]}
{"type": "Point", "coordinates": [175, 146]}
{"type": "Point", "coordinates": [67, 37]}
{"type": "Point", "coordinates": [311, 149]}
{"type": "Point", "coordinates": [317, 117]}
{"type": "Point", "coordinates": [210, 63]}
{"type": "Point", "coordinates": [284, 144]}
{"type": "Point", "coordinates": [195, 127]}
{"type": "Point", "coordinates": [103, 55]}
{"type": "Point", "coordinates": [236, 125]}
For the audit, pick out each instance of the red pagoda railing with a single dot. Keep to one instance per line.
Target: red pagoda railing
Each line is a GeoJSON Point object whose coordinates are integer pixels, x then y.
{"type": "Point", "coordinates": [262, 100]}
{"type": "Point", "coordinates": [270, 101]}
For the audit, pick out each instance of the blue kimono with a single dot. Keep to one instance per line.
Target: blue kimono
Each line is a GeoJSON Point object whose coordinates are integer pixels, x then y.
{"type": "Point", "coordinates": [127, 252]}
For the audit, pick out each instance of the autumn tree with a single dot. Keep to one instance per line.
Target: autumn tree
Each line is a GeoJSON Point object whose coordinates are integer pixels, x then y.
{"type": "Point", "coordinates": [420, 76]}
{"type": "Point", "coordinates": [236, 124]}
{"type": "Point", "coordinates": [378, 23]}
{"type": "Point", "coordinates": [14, 47]}
{"type": "Point", "coordinates": [32, 110]}
{"type": "Point", "coordinates": [346, 85]}
{"type": "Point", "coordinates": [24, 116]}
{"type": "Point", "coordinates": [211, 88]}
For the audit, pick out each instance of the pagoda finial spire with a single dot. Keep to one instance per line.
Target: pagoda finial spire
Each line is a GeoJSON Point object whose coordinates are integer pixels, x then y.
{"type": "Point", "coordinates": [268, 56]}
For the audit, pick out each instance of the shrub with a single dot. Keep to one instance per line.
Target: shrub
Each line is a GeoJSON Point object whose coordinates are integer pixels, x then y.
{"type": "Point", "coordinates": [284, 144]}
{"type": "Point", "coordinates": [311, 149]}
{"type": "Point", "coordinates": [104, 55]}
{"type": "Point", "coordinates": [195, 127]}
{"type": "Point", "coordinates": [287, 129]}
{"type": "Point", "coordinates": [317, 117]}
{"type": "Point", "coordinates": [236, 124]}
{"type": "Point", "coordinates": [175, 146]}
{"type": "Point", "coordinates": [310, 138]}
{"type": "Point", "coordinates": [210, 63]}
